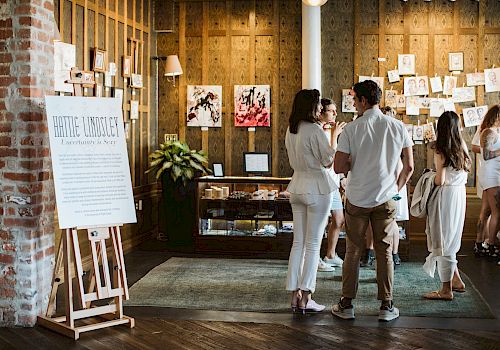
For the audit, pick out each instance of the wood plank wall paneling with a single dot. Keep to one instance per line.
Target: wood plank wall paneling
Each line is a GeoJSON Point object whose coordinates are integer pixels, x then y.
{"type": "Point", "coordinates": [242, 35]}
{"type": "Point", "coordinates": [235, 42]}
{"type": "Point", "coordinates": [108, 25]}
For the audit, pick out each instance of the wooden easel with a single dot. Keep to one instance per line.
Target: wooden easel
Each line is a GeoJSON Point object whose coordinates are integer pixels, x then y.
{"type": "Point", "coordinates": [70, 247]}
{"type": "Point", "coordinates": [104, 288]}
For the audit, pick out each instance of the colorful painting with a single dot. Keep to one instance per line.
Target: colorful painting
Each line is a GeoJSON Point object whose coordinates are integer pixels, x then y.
{"type": "Point", "coordinates": [204, 105]}
{"type": "Point", "coordinates": [252, 105]}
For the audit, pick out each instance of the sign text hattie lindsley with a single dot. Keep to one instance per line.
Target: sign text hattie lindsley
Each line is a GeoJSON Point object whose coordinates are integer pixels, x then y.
{"type": "Point", "coordinates": [91, 127]}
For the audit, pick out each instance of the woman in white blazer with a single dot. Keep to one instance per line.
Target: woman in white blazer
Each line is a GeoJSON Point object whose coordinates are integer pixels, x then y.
{"type": "Point", "coordinates": [311, 158]}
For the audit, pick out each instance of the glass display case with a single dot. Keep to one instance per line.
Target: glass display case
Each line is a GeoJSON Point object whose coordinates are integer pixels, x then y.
{"type": "Point", "coordinates": [252, 216]}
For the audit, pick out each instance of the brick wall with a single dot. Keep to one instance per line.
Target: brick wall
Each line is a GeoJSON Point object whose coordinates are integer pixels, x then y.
{"type": "Point", "coordinates": [27, 31]}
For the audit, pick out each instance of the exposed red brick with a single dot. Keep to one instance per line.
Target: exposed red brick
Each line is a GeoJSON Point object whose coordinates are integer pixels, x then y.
{"type": "Point", "coordinates": [6, 259]}
{"type": "Point", "coordinates": [30, 116]}
{"type": "Point", "coordinates": [5, 141]}
{"type": "Point", "coordinates": [19, 176]}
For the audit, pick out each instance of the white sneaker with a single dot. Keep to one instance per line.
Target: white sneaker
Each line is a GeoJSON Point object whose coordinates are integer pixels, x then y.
{"type": "Point", "coordinates": [388, 313]}
{"type": "Point", "coordinates": [322, 267]}
{"type": "Point", "coordinates": [336, 261]}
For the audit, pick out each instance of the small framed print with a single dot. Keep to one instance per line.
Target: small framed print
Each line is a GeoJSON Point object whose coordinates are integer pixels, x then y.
{"type": "Point", "coordinates": [99, 60]}
{"type": "Point", "coordinates": [218, 169]}
{"type": "Point", "coordinates": [406, 64]}
{"type": "Point", "coordinates": [136, 81]}
{"type": "Point", "coordinates": [455, 61]}
{"type": "Point", "coordinates": [134, 110]}
{"type": "Point", "coordinates": [126, 67]}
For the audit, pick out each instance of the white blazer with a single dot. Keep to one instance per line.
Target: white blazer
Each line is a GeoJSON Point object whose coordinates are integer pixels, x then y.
{"type": "Point", "coordinates": [309, 154]}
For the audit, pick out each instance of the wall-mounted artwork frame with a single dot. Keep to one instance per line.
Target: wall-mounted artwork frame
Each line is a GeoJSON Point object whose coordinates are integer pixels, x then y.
{"type": "Point", "coordinates": [99, 60]}
{"type": "Point", "coordinates": [126, 66]}
{"type": "Point", "coordinates": [348, 101]}
{"type": "Point", "coordinates": [252, 105]}
{"type": "Point", "coordinates": [455, 61]}
{"type": "Point", "coordinates": [204, 106]}
{"type": "Point", "coordinates": [136, 81]}
{"type": "Point", "coordinates": [406, 64]}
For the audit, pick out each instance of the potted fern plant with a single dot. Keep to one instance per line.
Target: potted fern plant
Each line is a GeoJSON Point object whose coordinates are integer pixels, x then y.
{"type": "Point", "coordinates": [176, 165]}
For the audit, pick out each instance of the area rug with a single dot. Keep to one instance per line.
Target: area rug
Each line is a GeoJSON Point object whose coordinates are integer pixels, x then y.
{"type": "Point", "coordinates": [258, 285]}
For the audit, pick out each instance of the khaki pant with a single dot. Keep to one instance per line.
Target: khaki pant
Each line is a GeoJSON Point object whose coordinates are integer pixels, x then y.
{"type": "Point", "coordinates": [384, 225]}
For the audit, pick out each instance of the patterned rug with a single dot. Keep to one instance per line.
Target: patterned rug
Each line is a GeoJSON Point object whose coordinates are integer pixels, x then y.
{"type": "Point", "coordinates": [258, 285]}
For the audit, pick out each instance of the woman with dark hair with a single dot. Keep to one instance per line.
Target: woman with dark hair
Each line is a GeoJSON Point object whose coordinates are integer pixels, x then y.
{"type": "Point", "coordinates": [311, 158]}
{"type": "Point", "coordinates": [489, 173]}
{"type": "Point", "coordinates": [446, 213]}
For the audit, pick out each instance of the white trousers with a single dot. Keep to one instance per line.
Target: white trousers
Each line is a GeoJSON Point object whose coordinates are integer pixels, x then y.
{"type": "Point", "coordinates": [446, 266]}
{"type": "Point", "coordinates": [310, 214]}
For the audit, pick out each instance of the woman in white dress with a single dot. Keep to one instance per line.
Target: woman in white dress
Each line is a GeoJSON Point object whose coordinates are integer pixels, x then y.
{"type": "Point", "coordinates": [311, 187]}
{"type": "Point", "coordinates": [446, 208]}
{"type": "Point", "coordinates": [489, 174]}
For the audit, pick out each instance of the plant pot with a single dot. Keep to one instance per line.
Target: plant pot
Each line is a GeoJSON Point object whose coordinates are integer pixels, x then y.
{"type": "Point", "coordinates": [177, 215]}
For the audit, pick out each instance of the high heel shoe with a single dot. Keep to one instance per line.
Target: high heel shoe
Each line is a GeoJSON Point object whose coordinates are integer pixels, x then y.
{"type": "Point", "coordinates": [296, 296]}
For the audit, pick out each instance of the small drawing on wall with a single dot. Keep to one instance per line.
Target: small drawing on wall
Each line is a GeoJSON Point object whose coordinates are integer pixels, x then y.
{"type": "Point", "coordinates": [126, 66]}
{"type": "Point", "coordinates": [406, 64]}
{"type": "Point", "coordinates": [475, 79]}
{"type": "Point", "coordinates": [134, 110]}
{"type": "Point", "coordinates": [450, 83]}
{"type": "Point", "coordinates": [393, 76]}
{"type": "Point", "coordinates": [492, 80]}
{"type": "Point", "coordinates": [204, 105]}
{"type": "Point", "coordinates": [136, 81]}
{"type": "Point", "coordinates": [348, 101]}
{"type": "Point", "coordinates": [471, 117]}
{"type": "Point", "coordinates": [378, 80]}
{"type": "Point", "coordinates": [252, 105]}
{"type": "Point", "coordinates": [455, 61]}
{"type": "Point", "coordinates": [436, 84]}
{"type": "Point", "coordinates": [99, 60]}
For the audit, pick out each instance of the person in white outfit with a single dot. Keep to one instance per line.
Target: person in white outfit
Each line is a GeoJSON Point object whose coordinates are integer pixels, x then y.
{"type": "Point", "coordinates": [311, 158]}
{"type": "Point", "coordinates": [446, 213]}
{"type": "Point", "coordinates": [331, 259]}
{"type": "Point", "coordinates": [489, 174]}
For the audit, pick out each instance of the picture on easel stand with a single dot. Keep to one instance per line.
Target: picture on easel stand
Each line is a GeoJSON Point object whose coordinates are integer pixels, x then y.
{"type": "Point", "coordinates": [99, 60]}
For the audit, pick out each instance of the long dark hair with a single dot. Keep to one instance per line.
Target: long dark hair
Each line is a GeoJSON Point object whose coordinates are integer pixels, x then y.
{"type": "Point", "coordinates": [491, 117]}
{"type": "Point", "coordinates": [449, 142]}
{"type": "Point", "coordinates": [305, 106]}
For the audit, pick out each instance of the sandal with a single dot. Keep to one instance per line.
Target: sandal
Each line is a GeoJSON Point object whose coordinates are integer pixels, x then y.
{"type": "Point", "coordinates": [436, 295]}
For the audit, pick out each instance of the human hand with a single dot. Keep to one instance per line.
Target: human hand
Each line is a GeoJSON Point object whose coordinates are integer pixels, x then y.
{"type": "Point", "coordinates": [337, 128]}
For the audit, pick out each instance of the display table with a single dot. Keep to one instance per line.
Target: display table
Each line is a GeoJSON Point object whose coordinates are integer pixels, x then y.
{"type": "Point", "coordinates": [244, 216]}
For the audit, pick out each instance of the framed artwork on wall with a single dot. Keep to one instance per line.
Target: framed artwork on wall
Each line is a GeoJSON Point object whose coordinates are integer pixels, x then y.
{"type": "Point", "coordinates": [99, 60]}
{"type": "Point", "coordinates": [126, 66]}
{"type": "Point", "coordinates": [252, 105]}
{"type": "Point", "coordinates": [406, 64]}
{"type": "Point", "coordinates": [136, 81]}
{"type": "Point", "coordinates": [348, 101]}
{"type": "Point", "coordinates": [455, 61]}
{"type": "Point", "coordinates": [204, 106]}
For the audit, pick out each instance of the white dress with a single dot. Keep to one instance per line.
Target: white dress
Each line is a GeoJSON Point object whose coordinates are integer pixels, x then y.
{"type": "Point", "coordinates": [446, 216]}
{"type": "Point", "coordinates": [489, 173]}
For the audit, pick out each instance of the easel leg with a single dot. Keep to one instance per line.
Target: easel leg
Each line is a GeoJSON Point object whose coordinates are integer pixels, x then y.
{"type": "Point", "coordinates": [57, 279]}
{"type": "Point", "coordinates": [68, 285]}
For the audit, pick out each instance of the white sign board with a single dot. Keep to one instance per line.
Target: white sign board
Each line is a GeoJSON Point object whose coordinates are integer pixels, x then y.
{"type": "Point", "coordinates": [90, 161]}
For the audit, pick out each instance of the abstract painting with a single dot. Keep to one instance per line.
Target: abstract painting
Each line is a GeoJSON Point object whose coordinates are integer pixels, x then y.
{"type": "Point", "coordinates": [204, 105]}
{"type": "Point", "coordinates": [252, 105]}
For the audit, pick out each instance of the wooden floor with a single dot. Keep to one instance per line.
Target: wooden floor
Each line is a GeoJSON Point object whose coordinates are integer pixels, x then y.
{"type": "Point", "coordinates": [163, 328]}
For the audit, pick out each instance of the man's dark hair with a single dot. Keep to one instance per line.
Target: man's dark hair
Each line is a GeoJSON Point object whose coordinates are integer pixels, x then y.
{"type": "Point", "coordinates": [370, 90]}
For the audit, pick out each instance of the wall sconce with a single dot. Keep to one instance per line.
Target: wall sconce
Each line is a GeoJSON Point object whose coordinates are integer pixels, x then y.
{"type": "Point", "coordinates": [314, 2]}
{"type": "Point", "coordinates": [172, 68]}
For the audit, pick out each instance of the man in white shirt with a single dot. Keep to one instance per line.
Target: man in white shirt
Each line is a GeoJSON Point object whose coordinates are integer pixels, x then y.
{"type": "Point", "coordinates": [369, 149]}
